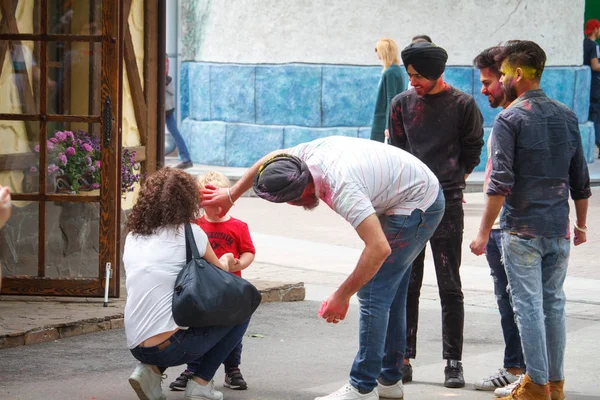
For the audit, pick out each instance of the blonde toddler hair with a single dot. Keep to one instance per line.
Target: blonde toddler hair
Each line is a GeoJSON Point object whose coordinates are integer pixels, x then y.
{"type": "Point", "coordinates": [214, 178]}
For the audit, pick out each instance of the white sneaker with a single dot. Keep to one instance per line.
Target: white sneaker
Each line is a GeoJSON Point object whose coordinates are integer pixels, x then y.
{"type": "Point", "coordinates": [395, 391]}
{"type": "Point", "coordinates": [147, 383]}
{"type": "Point", "coordinates": [196, 391]}
{"type": "Point", "coordinates": [507, 390]}
{"type": "Point", "coordinates": [500, 379]}
{"type": "Point", "coordinates": [349, 392]}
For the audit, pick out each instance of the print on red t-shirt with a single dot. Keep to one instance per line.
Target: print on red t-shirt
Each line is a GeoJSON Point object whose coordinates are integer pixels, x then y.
{"type": "Point", "coordinates": [231, 236]}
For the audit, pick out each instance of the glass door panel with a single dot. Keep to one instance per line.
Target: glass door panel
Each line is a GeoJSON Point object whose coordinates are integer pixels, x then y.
{"type": "Point", "coordinates": [19, 240]}
{"type": "Point", "coordinates": [74, 68]}
{"type": "Point", "coordinates": [72, 239]}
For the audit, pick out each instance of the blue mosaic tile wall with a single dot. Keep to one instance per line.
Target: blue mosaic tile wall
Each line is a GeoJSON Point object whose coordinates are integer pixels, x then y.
{"type": "Point", "coordinates": [233, 114]}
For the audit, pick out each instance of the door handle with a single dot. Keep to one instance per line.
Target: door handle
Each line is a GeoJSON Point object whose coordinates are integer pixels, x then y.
{"type": "Point", "coordinates": [107, 117]}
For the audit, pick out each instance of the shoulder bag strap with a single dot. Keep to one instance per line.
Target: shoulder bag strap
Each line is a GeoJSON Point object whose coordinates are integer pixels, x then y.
{"type": "Point", "coordinates": [190, 244]}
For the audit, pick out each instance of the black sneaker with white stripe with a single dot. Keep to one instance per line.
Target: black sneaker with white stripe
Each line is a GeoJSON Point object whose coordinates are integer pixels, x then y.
{"type": "Point", "coordinates": [234, 380]}
{"type": "Point", "coordinates": [180, 383]}
{"type": "Point", "coordinates": [500, 379]}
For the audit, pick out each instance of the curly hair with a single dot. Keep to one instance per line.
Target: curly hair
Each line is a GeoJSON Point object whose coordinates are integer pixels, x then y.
{"type": "Point", "coordinates": [168, 198]}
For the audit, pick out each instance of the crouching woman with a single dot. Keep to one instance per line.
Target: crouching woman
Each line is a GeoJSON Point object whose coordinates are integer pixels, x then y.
{"type": "Point", "coordinates": [154, 254]}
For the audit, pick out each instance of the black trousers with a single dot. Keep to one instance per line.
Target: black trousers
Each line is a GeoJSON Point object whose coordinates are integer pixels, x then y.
{"type": "Point", "coordinates": [446, 245]}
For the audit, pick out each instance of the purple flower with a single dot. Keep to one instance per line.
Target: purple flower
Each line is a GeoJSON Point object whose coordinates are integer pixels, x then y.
{"type": "Point", "coordinates": [62, 158]}
{"type": "Point", "coordinates": [36, 148]}
{"type": "Point", "coordinates": [49, 145]}
{"type": "Point", "coordinates": [92, 169]}
{"type": "Point", "coordinates": [88, 160]}
{"type": "Point", "coordinates": [33, 169]}
{"type": "Point", "coordinates": [87, 147]}
{"type": "Point", "coordinates": [94, 186]}
{"type": "Point", "coordinates": [60, 136]}
{"type": "Point", "coordinates": [52, 168]}
{"type": "Point", "coordinates": [97, 163]}
{"type": "Point", "coordinates": [69, 134]}
{"type": "Point", "coordinates": [53, 140]}
{"type": "Point", "coordinates": [70, 151]}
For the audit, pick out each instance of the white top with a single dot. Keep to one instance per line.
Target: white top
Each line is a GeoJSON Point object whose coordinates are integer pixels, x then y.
{"type": "Point", "coordinates": [359, 177]}
{"type": "Point", "coordinates": [152, 264]}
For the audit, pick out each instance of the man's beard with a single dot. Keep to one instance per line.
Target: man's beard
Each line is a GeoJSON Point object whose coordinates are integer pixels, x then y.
{"type": "Point", "coordinates": [496, 101]}
{"type": "Point", "coordinates": [312, 206]}
{"type": "Point", "coordinates": [510, 93]}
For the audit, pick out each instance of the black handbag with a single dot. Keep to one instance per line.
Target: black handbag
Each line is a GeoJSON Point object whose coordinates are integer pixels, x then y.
{"type": "Point", "coordinates": [205, 295]}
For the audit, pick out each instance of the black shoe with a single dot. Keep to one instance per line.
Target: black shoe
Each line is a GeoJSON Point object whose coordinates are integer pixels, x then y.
{"type": "Point", "coordinates": [406, 373]}
{"type": "Point", "coordinates": [454, 374]}
{"type": "Point", "coordinates": [181, 382]}
{"type": "Point", "coordinates": [234, 380]}
{"type": "Point", "coordinates": [184, 165]}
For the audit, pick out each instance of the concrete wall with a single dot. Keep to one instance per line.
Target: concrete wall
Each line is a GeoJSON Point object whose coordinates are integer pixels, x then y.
{"type": "Point", "coordinates": [234, 114]}
{"type": "Point", "coordinates": [345, 32]}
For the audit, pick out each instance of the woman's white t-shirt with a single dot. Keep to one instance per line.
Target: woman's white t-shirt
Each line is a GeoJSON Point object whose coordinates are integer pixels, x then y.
{"type": "Point", "coordinates": [152, 264]}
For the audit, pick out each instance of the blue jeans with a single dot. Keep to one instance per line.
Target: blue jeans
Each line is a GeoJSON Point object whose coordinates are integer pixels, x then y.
{"type": "Point", "coordinates": [513, 354]}
{"type": "Point", "coordinates": [536, 270]}
{"type": "Point", "coordinates": [234, 359]}
{"type": "Point", "coordinates": [206, 348]}
{"type": "Point", "coordinates": [184, 154]}
{"type": "Point", "coordinates": [382, 327]}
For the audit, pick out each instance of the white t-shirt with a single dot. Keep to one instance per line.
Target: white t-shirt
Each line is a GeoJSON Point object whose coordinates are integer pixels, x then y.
{"type": "Point", "coordinates": [152, 264]}
{"type": "Point", "coordinates": [359, 177]}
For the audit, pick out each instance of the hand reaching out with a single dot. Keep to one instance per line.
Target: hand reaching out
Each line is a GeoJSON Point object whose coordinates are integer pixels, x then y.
{"type": "Point", "coordinates": [217, 197]}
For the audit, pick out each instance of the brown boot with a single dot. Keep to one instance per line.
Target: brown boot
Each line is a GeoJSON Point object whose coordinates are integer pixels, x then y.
{"type": "Point", "coordinates": [556, 390]}
{"type": "Point", "coordinates": [528, 390]}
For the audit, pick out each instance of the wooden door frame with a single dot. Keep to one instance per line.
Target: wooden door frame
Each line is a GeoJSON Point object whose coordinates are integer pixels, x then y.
{"type": "Point", "coordinates": [149, 114]}
{"type": "Point", "coordinates": [109, 198]}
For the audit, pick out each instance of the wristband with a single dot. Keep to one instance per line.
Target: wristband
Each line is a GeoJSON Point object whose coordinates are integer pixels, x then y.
{"type": "Point", "coordinates": [584, 229]}
{"type": "Point", "coordinates": [231, 200]}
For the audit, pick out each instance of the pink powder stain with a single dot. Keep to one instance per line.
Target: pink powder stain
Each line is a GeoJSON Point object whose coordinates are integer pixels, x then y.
{"type": "Point", "coordinates": [527, 105]}
{"type": "Point", "coordinates": [401, 244]}
{"type": "Point", "coordinates": [419, 111]}
{"type": "Point", "coordinates": [325, 193]}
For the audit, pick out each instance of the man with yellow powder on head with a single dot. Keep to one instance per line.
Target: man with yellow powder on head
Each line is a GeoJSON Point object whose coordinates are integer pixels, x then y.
{"type": "Point", "coordinates": [5, 205]}
{"type": "Point", "coordinates": [537, 159]}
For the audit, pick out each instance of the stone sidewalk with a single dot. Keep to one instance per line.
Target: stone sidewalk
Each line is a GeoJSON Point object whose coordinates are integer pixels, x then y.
{"type": "Point", "coordinates": [31, 319]}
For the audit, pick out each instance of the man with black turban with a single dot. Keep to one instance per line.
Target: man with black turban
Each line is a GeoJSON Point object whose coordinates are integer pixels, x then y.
{"type": "Point", "coordinates": [394, 202]}
{"type": "Point", "coordinates": [442, 127]}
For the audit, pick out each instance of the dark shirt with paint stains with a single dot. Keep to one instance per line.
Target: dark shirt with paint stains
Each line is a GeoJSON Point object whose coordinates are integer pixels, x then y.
{"type": "Point", "coordinates": [537, 158]}
{"type": "Point", "coordinates": [444, 130]}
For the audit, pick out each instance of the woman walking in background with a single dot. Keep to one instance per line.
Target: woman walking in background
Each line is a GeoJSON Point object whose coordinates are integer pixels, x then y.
{"type": "Point", "coordinates": [390, 85]}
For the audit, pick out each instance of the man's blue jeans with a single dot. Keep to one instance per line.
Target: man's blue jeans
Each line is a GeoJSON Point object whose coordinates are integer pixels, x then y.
{"type": "Point", "coordinates": [513, 354]}
{"type": "Point", "coordinates": [382, 328]}
{"type": "Point", "coordinates": [204, 348]}
{"type": "Point", "coordinates": [184, 154]}
{"type": "Point", "coordinates": [536, 270]}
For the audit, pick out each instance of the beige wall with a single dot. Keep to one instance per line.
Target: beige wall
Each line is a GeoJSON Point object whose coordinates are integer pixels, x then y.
{"type": "Point", "coordinates": [13, 136]}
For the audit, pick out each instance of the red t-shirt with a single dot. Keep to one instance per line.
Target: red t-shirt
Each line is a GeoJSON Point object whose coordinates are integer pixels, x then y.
{"type": "Point", "coordinates": [231, 236]}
